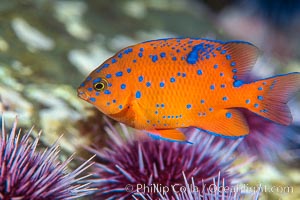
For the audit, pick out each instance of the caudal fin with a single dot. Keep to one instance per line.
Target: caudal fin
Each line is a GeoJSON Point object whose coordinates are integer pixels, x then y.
{"type": "Point", "coordinates": [271, 97]}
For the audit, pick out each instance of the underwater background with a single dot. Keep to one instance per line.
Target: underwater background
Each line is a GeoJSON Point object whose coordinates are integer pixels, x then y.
{"type": "Point", "coordinates": [47, 48]}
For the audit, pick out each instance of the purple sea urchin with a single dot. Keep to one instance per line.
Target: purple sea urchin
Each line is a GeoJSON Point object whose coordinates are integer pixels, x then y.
{"type": "Point", "coordinates": [146, 166]}
{"type": "Point", "coordinates": [28, 174]}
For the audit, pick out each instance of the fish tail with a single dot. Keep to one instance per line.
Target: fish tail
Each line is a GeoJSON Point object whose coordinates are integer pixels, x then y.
{"type": "Point", "coordinates": [271, 97]}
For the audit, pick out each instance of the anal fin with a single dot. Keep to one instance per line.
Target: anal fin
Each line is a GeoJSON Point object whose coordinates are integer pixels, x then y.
{"type": "Point", "coordinates": [168, 134]}
{"type": "Point", "coordinates": [226, 122]}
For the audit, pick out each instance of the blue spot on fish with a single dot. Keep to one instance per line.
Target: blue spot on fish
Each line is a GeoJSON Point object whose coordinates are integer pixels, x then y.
{"type": "Point", "coordinates": [113, 60]}
{"type": "Point", "coordinates": [212, 87]}
{"type": "Point", "coordinates": [228, 115]}
{"type": "Point", "coordinates": [140, 55]}
{"type": "Point", "coordinates": [123, 86]}
{"type": "Point", "coordinates": [96, 80]}
{"type": "Point", "coordinates": [119, 74]}
{"type": "Point", "coordinates": [162, 54]}
{"type": "Point", "coordinates": [225, 98]}
{"type": "Point", "coordinates": [108, 76]}
{"type": "Point", "coordinates": [138, 94]}
{"type": "Point", "coordinates": [88, 78]}
{"type": "Point", "coordinates": [105, 65]}
{"type": "Point", "coordinates": [92, 99]}
{"type": "Point", "coordinates": [188, 106]}
{"type": "Point", "coordinates": [260, 97]}
{"type": "Point", "coordinates": [90, 89]}
{"type": "Point", "coordinates": [107, 92]}
{"type": "Point", "coordinates": [238, 83]}
{"type": "Point", "coordinates": [141, 78]}
{"type": "Point", "coordinates": [128, 70]}
{"type": "Point", "coordinates": [172, 80]}
{"type": "Point", "coordinates": [228, 57]}
{"type": "Point", "coordinates": [260, 88]}
{"type": "Point", "coordinates": [199, 72]}
{"type": "Point", "coordinates": [193, 55]}
{"type": "Point", "coordinates": [232, 64]}
{"type": "Point", "coordinates": [120, 107]}
{"type": "Point", "coordinates": [120, 55]}
{"type": "Point", "coordinates": [256, 105]}
{"type": "Point", "coordinates": [247, 101]}
{"type": "Point", "coordinates": [148, 84]}
{"type": "Point", "coordinates": [162, 84]}
{"type": "Point", "coordinates": [216, 66]}
{"type": "Point", "coordinates": [234, 70]}
{"type": "Point", "coordinates": [223, 51]}
{"type": "Point", "coordinates": [127, 51]}
{"type": "Point", "coordinates": [202, 101]}
{"type": "Point", "coordinates": [102, 67]}
{"type": "Point", "coordinates": [154, 58]}
{"type": "Point", "coordinates": [174, 58]}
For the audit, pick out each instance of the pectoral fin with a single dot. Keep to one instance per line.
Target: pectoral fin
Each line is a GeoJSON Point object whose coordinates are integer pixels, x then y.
{"type": "Point", "coordinates": [168, 134]}
{"type": "Point", "coordinates": [227, 123]}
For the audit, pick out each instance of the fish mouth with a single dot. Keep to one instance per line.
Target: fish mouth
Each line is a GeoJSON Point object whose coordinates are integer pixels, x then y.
{"type": "Point", "coordinates": [82, 94]}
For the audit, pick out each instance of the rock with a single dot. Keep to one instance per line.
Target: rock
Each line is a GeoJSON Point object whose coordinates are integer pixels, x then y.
{"type": "Point", "coordinates": [32, 37]}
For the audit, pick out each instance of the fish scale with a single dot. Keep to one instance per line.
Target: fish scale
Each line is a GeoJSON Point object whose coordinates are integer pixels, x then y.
{"type": "Point", "coordinates": [189, 80]}
{"type": "Point", "coordinates": [161, 85]}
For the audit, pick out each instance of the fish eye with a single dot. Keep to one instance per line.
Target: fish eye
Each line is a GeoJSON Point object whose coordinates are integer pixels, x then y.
{"type": "Point", "coordinates": [101, 85]}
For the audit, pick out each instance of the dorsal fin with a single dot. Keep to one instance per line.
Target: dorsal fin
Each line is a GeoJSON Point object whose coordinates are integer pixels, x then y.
{"type": "Point", "coordinates": [242, 57]}
{"type": "Point", "coordinates": [233, 59]}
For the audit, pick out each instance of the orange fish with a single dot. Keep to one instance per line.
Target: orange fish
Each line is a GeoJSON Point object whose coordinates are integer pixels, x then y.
{"type": "Point", "coordinates": [161, 85]}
